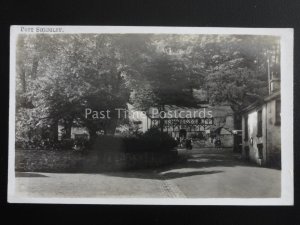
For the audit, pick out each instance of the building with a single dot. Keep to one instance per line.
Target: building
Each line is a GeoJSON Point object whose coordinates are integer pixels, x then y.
{"type": "Point", "coordinates": [225, 135]}
{"type": "Point", "coordinates": [261, 125]}
{"type": "Point", "coordinates": [203, 124]}
{"type": "Point", "coordinates": [76, 132]}
{"type": "Point", "coordinates": [261, 131]}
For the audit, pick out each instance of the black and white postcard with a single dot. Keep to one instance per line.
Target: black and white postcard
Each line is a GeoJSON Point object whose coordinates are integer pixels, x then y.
{"type": "Point", "coordinates": [151, 115]}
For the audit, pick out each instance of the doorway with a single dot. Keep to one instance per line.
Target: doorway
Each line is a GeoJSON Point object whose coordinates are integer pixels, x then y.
{"type": "Point", "coordinates": [182, 133]}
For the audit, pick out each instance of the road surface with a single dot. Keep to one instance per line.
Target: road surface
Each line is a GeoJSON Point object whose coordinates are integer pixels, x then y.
{"type": "Point", "coordinates": [207, 173]}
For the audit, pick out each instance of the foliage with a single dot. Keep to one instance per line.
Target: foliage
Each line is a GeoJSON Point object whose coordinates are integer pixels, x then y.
{"type": "Point", "coordinates": [59, 75]}
{"type": "Point", "coordinates": [151, 141]}
{"type": "Point", "coordinates": [158, 140]}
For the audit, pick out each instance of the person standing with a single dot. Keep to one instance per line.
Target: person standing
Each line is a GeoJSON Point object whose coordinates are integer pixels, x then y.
{"type": "Point", "coordinates": [218, 143]}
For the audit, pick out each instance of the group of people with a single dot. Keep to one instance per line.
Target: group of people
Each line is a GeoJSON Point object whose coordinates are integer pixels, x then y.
{"type": "Point", "coordinates": [188, 142]}
{"type": "Point", "coordinates": [184, 142]}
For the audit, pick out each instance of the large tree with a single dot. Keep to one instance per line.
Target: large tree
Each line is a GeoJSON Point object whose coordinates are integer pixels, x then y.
{"type": "Point", "coordinates": [237, 70]}
{"type": "Point", "coordinates": [233, 69]}
{"type": "Point", "coordinates": [73, 72]}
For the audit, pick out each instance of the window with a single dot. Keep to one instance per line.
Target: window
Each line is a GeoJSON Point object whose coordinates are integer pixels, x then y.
{"type": "Point", "coordinates": [259, 123]}
{"type": "Point", "coordinates": [247, 152]}
{"type": "Point", "coordinates": [278, 112]}
{"type": "Point", "coordinates": [260, 151]}
{"type": "Point", "coordinates": [246, 128]}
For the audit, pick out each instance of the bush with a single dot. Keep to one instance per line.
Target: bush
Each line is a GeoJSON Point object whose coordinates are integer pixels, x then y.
{"type": "Point", "coordinates": [107, 143]}
{"type": "Point", "coordinates": [152, 141]}
{"type": "Point", "coordinates": [29, 144]}
{"type": "Point", "coordinates": [158, 141]}
{"type": "Point", "coordinates": [65, 144]}
{"type": "Point", "coordinates": [199, 136]}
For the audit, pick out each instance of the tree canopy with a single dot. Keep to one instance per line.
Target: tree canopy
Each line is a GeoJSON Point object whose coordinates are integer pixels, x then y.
{"type": "Point", "coordinates": [59, 75]}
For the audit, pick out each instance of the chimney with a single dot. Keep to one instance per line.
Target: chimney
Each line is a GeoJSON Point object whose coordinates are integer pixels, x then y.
{"type": "Point", "coordinates": [273, 78]}
{"type": "Point", "coordinates": [274, 85]}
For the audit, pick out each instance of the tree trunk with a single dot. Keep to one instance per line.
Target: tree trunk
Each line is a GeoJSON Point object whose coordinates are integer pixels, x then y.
{"type": "Point", "coordinates": [93, 134]}
{"type": "Point", "coordinates": [23, 81]}
{"type": "Point", "coordinates": [110, 126]}
{"type": "Point", "coordinates": [237, 123]}
{"type": "Point", "coordinates": [68, 128]}
{"type": "Point", "coordinates": [34, 68]}
{"type": "Point", "coordinates": [54, 130]}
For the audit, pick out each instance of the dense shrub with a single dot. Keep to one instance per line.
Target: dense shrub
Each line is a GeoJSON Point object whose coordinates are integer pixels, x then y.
{"type": "Point", "coordinates": [65, 144]}
{"type": "Point", "coordinates": [152, 141]}
{"type": "Point", "coordinates": [199, 136]}
{"type": "Point", "coordinates": [29, 144]}
{"type": "Point", "coordinates": [157, 140]}
{"type": "Point", "coordinates": [107, 143]}
{"type": "Point", "coordinates": [37, 144]}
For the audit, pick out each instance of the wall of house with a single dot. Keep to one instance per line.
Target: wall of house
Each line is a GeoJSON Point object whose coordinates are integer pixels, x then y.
{"type": "Point", "coordinates": [223, 117]}
{"type": "Point", "coordinates": [226, 138]}
{"type": "Point", "coordinates": [273, 136]}
{"type": "Point", "coordinates": [253, 140]}
{"type": "Point", "coordinates": [145, 125]}
{"type": "Point", "coordinates": [229, 124]}
{"type": "Point", "coordinates": [74, 131]}
{"type": "Point", "coordinates": [270, 139]}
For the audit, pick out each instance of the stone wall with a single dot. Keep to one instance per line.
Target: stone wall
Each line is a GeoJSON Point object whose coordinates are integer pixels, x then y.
{"type": "Point", "coordinates": [70, 161]}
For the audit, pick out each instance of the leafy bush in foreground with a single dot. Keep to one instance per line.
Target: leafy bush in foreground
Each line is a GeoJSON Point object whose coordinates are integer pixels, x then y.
{"type": "Point", "coordinates": [152, 141]}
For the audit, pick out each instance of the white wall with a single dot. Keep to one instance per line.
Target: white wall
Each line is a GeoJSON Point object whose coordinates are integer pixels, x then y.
{"type": "Point", "coordinates": [270, 139]}
{"type": "Point", "coordinates": [74, 130]}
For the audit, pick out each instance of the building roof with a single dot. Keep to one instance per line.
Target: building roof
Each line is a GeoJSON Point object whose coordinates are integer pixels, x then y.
{"type": "Point", "coordinates": [222, 130]}
{"type": "Point", "coordinates": [272, 96]}
{"type": "Point", "coordinates": [260, 102]}
{"type": "Point", "coordinates": [173, 111]}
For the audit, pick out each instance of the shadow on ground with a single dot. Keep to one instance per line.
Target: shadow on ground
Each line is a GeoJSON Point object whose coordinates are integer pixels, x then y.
{"type": "Point", "coordinates": [193, 163]}
{"type": "Point", "coordinates": [156, 175]}
{"type": "Point", "coordinates": [22, 174]}
{"type": "Point", "coordinates": [174, 175]}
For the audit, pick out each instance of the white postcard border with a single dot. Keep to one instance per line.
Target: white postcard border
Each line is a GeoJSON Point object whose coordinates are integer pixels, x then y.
{"type": "Point", "coordinates": [287, 172]}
